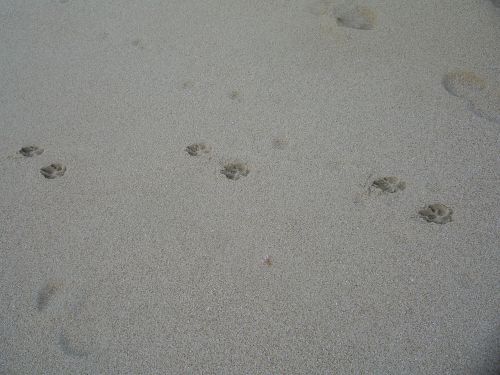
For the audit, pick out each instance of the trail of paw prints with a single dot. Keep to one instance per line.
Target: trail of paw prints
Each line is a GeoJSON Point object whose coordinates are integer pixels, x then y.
{"type": "Point", "coordinates": [232, 170]}
{"type": "Point", "coordinates": [481, 95]}
{"type": "Point", "coordinates": [51, 171]}
{"type": "Point", "coordinates": [436, 213]}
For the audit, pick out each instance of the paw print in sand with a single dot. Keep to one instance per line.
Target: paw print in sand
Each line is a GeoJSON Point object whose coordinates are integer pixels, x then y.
{"type": "Point", "coordinates": [30, 151]}
{"type": "Point", "coordinates": [235, 170]}
{"type": "Point", "coordinates": [389, 184]}
{"type": "Point", "coordinates": [198, 149]}
{"type": "Point", "coordinates": [54, 170]}
{"type": "Point", "coordinates": [436, 213]}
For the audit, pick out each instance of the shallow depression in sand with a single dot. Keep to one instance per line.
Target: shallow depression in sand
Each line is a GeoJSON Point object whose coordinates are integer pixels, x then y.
{"type": "Point", "coordinates": [361, 18]}
{"type": "Point", "coordinates": [30, 151]}
{"type": "Point", "coordinates": [389, 184]}
{"type": "Point", "coordinates": [235, 170]}
{"type": "Point", "coordinates": [53, 171]}
{"type": "Point", "coordinates": [482, 95]}
{"type": "Point", "coordinates": [464, 84]}
{"type": "Point", "coordinates": [436, 213]}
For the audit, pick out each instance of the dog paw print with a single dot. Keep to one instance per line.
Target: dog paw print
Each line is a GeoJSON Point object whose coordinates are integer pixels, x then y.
{"type": "Point", "coordinates": [235, 170]}
{"type": "Point", "coordinates": [198, 149]}
{"type": "Point", "coordinates": [436, 213]}
{"type": "Point", "coordinates": [389, 184]}
{"type": "Point", "coordinates": [54, 170]}
{"type": "Point", "coordinates": [30, 151]}
{"type": "Point", "coordinates": [279, 143]}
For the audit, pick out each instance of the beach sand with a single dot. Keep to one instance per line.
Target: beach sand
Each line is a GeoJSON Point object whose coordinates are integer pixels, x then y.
{"type": "Point", "coordinates": [250, 187]}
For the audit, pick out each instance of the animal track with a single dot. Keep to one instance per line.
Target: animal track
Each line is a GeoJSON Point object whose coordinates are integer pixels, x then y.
{"type": "Point", "coordinates": [436, 213]}
{"type": "Point", "coordinates": [354, 17]}
{"type": "Point", "coordinates": [30, 151]}
{"type": "Point", "coordinates": [235, 170]}
{"type": "Point", "coordinates": [54, 170]}
{"type": "Point", "coordinates": [482, 98]}
{"type": "Point", "coordinates": [236, 96]}
{"type": "Point", "coordinates": [198, 149]}
{"type": "Point", "coordinates": [389, 184]}
{"type": "Point", "coordinates": [361, 18]}
{"type": "Point", "coordinates": [279, 143]}
{"type": "Point", "coordinates": [46, 293]}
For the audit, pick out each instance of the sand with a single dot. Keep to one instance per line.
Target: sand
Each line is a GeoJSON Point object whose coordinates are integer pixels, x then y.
{"type": "Point", "coordinates": [202, 198]}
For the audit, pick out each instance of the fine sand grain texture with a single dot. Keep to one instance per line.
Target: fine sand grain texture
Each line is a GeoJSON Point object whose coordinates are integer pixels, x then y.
{"type": "Point", "coordinates": [250, 187]}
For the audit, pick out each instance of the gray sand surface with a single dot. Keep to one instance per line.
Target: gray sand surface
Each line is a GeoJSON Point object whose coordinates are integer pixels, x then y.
{"type": "Point", "coordinates": [144, 259]}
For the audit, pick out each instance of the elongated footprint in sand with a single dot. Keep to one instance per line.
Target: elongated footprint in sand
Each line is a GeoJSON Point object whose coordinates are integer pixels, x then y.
{"type": "Point", "coordinates": [482, 95]}
{"type": "Point", "coordinates": [46, 293]}
{"type": "Point", "coordinates": [80, 333]}
{"type": "Point", "coordinates": [72, 341]}
{"type": "Point", "coordinates": [75, 344]}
